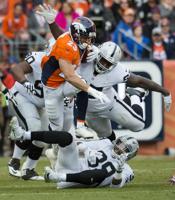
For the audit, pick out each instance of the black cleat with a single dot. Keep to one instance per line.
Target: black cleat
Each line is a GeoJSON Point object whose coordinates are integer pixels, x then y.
{"type": "Point", "coordinates": [31, 174]}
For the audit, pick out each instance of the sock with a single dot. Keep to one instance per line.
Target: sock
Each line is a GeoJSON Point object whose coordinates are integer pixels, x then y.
{"type": "Point", "coordinates": [29, 163]}
{"type": "Point", "coordinates": [18, 152]}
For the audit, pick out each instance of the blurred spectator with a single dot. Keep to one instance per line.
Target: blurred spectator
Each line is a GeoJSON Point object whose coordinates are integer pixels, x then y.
{"type": "Point", "coordinates": [168, 38]}
{"type": "Point", "coordinates": [16, 25]}
{"type": "Point", "coordinates": [3, 10]}
{"type": "Point", "coordinates": [80, 6]}
{"type": "Point", "coordinates": [118, 7]}
{"type": "Point", "coordinates": [153, 22]}
{"type": "Point", "coordinates": [54, 3]}
{"type": "Point", "coordinates": [103, 19]}
{"type": "Point", "coordinates": [158, 49]}
{"type": "Point", "coordinates": [65, 17]}
{"type": "Point", "coordinates": [145, 10]}
{"type": "Point", "coordinates": [124, 25]}
{"type": "Point", "coordinates": [38, 24]}
{"type": "Point", "coordinates": [136, 46]}
{"type": "Point", "coordinates": [166, 7]}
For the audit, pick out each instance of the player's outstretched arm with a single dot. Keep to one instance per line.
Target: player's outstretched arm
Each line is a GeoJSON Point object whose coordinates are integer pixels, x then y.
{"type": "Point", "coordinates": [139, 81]}
{"type": "Point", "coordinates": [72, 77]}
{"type": "Point", "coordinates": [49, 14]}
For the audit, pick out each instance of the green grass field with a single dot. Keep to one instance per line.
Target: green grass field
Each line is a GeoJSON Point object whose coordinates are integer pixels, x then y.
{"type": "Point", "coordinates": [150, 183]}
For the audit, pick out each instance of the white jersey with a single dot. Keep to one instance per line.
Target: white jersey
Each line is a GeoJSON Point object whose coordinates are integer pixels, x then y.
{"type": "Point", "coordinates": [96, 158]}
{"type": "Point", "coordinates": [34, 60]}
{"type": "Point", "coordinates": [103, 82]}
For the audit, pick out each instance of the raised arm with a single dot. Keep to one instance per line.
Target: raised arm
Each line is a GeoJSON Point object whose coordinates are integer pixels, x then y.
{"type": "Point", "coordinates": [139, 81]}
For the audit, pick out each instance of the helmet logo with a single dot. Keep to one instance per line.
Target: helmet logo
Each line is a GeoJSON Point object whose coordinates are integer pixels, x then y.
{"type": "Point", "coordinates": [79, 27]}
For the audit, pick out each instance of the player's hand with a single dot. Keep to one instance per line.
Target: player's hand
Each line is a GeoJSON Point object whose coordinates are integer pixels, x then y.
{"type": "Point", "coordinates": [93, 53]}
{"type": "Point", "coordinates": [121, 159]}
{"type": "Point", "coordinates": [30, 88]}
{"type": "Point", "coordinates": [98, 95]}
{"type": "Point", "coordinates": [167, 102]}
{"type": "Point", "coordinates": [47, 12]}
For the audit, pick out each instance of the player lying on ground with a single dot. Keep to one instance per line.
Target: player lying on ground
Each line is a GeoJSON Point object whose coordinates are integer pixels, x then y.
{"type": "Point", "coordinates": [87, 164]}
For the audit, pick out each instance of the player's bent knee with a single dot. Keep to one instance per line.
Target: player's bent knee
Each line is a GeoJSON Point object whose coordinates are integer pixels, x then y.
{"type": "Point", "coordinates": [138, 127]}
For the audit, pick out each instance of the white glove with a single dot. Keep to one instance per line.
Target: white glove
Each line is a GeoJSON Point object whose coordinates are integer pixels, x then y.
{"type": "Point", "coordinates": [84, 132]}
{"type": "Point", "coordinates": [167, 102]}
{"type": "Point", "coordinates": [98, 95]}
{"type": "Point", "coordinates": [30, 88]}
{"type": "Point", "coordinates": [120, 159]}
{"type": "Point", "coordinates": [47, 12]}
{"type": "Point", "coordinates": [93, 53]}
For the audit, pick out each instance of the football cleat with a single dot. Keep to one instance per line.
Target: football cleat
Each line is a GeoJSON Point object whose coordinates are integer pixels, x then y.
{"type": "Point", "coordinates": [14, 167]}
{"type": "Point", "coordinates": [51, 157]}
{"type": "Point", "coordinates": [85, 132]}
{"type": "Point", "coordinates": [31, 174]}
{"type": "Point", "coordinates": [140, 92]}
{"type": "Point", "coordinates": [16, 132]}
{"type": "Point", "coordinates": [172, 180]}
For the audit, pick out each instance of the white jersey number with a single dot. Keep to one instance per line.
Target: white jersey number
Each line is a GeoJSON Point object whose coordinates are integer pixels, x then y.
{"type": "Point", "coordinates": [101, 158]}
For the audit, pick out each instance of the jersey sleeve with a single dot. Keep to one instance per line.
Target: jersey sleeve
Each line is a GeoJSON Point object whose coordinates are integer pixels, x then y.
{"type": "Point", "coordinates": [34, 60]}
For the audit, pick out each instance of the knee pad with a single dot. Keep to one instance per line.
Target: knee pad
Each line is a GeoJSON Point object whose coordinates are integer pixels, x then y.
{"type": "Point", "coordinates": [138, 127]}
{"type": "Point", "coordinates": [39, 144]}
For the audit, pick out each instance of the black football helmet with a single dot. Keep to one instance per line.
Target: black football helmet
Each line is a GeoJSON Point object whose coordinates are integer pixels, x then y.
{"type": "Point", "coordinates": [83, 32]}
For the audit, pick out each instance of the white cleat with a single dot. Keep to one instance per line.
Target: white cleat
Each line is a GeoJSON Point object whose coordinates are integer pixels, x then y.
{"type": "Point", "coordinates": [16, 132]}
{"type": "Point", "coordinates": [85, 132]}
{"type": "Point", "coordinates": [14, 167]}
{"type": "Point", "coordinates": [51, 156]}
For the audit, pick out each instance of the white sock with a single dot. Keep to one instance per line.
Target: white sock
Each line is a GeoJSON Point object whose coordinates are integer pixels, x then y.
{"type": "Point", "coordinates": [18, 152]}
{"type": "Point", "coordinates": [27, 135]}
{"type": "Point", "coordinates": [29, 163]}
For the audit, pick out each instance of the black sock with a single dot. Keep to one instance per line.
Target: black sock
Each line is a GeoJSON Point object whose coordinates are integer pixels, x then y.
{"type": "Point", "coordinates": [34, 152]}
{"type": "Point", "coordinates": [82, 103]}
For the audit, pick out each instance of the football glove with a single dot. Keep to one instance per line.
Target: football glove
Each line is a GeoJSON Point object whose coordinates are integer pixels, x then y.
{"type": "Point", "coordinates": [93, 53]}
{"type": "Point", "coordinates": [120, 160]}
{"type": "Point", "coordinates": [47, 12]}
{"type": "Point", "coordinates": [98, 95]}
{"type": "Point", "coordinates": [167, 102]}
{"type": "Point", "coordinates": [30, 88]}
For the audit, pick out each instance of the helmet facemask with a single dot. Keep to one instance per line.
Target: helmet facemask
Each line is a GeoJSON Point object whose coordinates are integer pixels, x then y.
{"type": "Point", "coordinates": [103, 65]}
{"type": "Point", "coordinates": [126, 145]}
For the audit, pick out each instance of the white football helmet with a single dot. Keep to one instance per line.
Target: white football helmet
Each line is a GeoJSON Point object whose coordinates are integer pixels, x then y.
{"type": "Point", "coordinates": [126, 145]}
{"type": "Point", "coordinates": [108, 57]}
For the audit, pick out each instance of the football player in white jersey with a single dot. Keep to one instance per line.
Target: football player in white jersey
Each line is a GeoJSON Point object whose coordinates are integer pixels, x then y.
{"type": "Point", "coordinates": [102, 74]}
{"type": "Point", "coordinates": [31, 113]}
{"type": "Point", "coordinates": [84, 164]}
